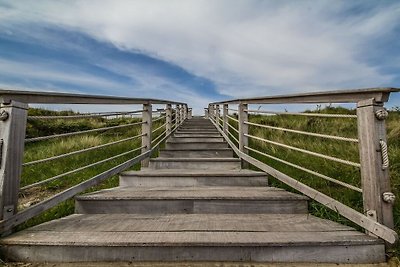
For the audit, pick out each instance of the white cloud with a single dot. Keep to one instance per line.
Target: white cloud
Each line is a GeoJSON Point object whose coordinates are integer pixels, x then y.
{"type": "Point", "coordinates": [246, 47]}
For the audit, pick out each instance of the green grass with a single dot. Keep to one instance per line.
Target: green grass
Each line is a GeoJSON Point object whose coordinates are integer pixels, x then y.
{"type": "Point", "coordinates": [345, 127]}
{"type": "Point", "coordinates": [58, 146]}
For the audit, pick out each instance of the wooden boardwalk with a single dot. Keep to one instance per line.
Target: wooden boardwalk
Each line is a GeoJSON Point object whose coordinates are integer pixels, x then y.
{"type": "Point", "coordinates": [193, 203]}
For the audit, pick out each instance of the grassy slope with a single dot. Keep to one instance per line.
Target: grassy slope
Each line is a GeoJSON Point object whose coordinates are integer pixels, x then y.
{"type": "Point", "coordinates": [344, 150]}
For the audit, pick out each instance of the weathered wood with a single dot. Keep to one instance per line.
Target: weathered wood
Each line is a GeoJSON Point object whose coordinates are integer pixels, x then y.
{"type": "Point", "coordinates": [6, 96]}
{"type": "Point", "coordinates": [146, 131]}
{"type": "Point", "coordinates": [341, 96]}
{"type": "Point", "coordinates": [375, 179]}
{"type": "Point", "coordinates": [360, 219]}
{"type": "Point", "coordinates": [243, 131]}
{"type": "Point", "coordinates": [168, 114]}
{"type": "Point", "coordinates": [260, 237]}
{"type": "Point", "coordinates": [185, 112]}
{"type": "Point", "coordinates": [225, 118]}
{"type": "Point", "coordinates": [12, 137]}
{"type": "Point", "coordinates": [26, 214]}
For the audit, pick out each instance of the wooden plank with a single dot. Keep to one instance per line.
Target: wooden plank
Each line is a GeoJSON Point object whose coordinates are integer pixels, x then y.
{"type": "Point", "coordinates": [12, 136]}
{"type": "Point", "coordinates": [6, 96]}
{"type": "Point", "coordinates": [209, 192]}
{"type": "Point", "coordinates": [147, 132]}
{"type": "Point", "coordinates": [207, 238]}
{"type": "Point", "coordinates": [374, 178]}
{"type": "Point", "coordinates": [168, 114]}
{"type": "Point", "coordinates": [191, 222]}
{"type": "Point", "coordinates": [243, 131]}
{"type": "Point", "coordinates": [225, 117]}
{"type": "Point", "coordinates": [35, 210]}
{"type": "Point", "coordinates": [360, 219]}
{"type": "Point", "coordinates": [340, 96]}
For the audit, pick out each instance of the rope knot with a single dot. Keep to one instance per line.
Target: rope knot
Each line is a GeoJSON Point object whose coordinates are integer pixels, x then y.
{"type": "Point", "coordinates": [381, 114]}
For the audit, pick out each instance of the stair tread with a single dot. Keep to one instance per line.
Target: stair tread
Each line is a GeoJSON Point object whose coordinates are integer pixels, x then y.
{"type": "Point", "coordinates": [197, 173]}
{"type": "Point", "coordinates": [205, 193]}
{"type": "Point", "coordinates": [190, 230]}
{"type": "Point", "coordinates": [198, 159]}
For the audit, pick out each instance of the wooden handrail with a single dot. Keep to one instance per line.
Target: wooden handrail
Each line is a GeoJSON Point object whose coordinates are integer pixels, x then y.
{"type": "Point", "coordinates": [31, 97]}
{"type": "Point", "coordinates": [341, 96]}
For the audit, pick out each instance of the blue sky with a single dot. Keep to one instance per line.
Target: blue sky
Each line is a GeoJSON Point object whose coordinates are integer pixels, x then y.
{"type": "Point", "coordinates": [199, 51]}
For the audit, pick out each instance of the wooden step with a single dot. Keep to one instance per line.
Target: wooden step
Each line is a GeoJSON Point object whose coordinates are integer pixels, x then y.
{"type": "Point", "coordinates": [196, 163]}
{"type": "Point", "coordinates": [289, 238]}
{"type": "Point", "coordinates": [179, 134]}
{"type": "Point", "coordinates": [195, 145]}
{"type": "Point", "coordinates": [198, 139]}
{"type": "Point", "coordinates": [176, 178]}
{"type": "Point", "coordinates": [210, 199]}
{"type": "Point", "coordinates": [197, 153]}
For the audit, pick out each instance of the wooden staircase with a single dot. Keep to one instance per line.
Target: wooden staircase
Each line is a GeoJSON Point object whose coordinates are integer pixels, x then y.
{"type": "Point", "coordinates": [193, 203]}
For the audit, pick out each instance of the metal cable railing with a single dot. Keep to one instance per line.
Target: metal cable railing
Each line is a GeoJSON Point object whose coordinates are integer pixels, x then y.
{"type": "Point", "coordinates": [343, 161]}
{"type": "Point", "coordinates": [85, 116]}
{"type": "Point", "coordinates": [80, 169]}
{"type": "Point", "coordinates": [35, 139]}
{"type": "Point", "coordinates": [73, 153]}
{"type": "Point", "coordinates": [339, 138]}
{"type": "Point", "coordinates": [304, 114]}
{"type": "Point", "coordinates": [330, 179]}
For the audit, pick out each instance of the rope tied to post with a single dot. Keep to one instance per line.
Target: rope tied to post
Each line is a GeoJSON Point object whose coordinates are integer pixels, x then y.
{"type": "Point", "coordinates": [384, 154]}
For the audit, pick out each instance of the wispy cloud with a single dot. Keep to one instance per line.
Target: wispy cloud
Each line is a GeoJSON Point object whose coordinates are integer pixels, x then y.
{"type": "Point", "coordinates": [243, 48]}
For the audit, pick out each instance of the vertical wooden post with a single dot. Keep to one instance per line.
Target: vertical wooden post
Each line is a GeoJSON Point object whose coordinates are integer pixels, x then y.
{"type": "Point", "coordinates": [168, 118]}
{"type": "Point", "coordinates": [211, 111]}
{"type": "Point", "coordinates": [185, 112]}
{"type": "Point", "coordinates": [182, 115]}
{"type": "Point", "coordinates": [178, 115]}
{"type": "Point", "coordinates": [206, 113]}
{"type": "Point", "coordinates": [190, 113]}
{"type": "Point", "coordinates": [243, 130]}
{"type": "Point", "coordinates": [13, 118]}
{"type": "Point", "coordinates": [146, 130]}
{"type": "Point", "coordinates": [375, 182]}
{"type": "Point", "coordinates": [225, 118]}
{"type": "Point", "coordinates": [217, 115]}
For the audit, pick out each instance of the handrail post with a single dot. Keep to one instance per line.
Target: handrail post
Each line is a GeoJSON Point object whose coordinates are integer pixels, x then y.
{"type": "Point", "coordinates": [190, 113]}
{"type": "Point", "coordinates": [13, 118]}
{"type": "Point", "coordinates": [182, 115]}
{"type": "Point", "coordinates": [206, 113]}
{"type": "Point", "coordinates": [178, 114]}
{"type": "Point", "coordinates": [211, 112]}
{"type": "Point", "coordinates": [146, 130]}
{"type": "Point", "coordinates": [225, 118]}
{"type": "Point", "coordinates": [168, 119]}
{"type": "Point", "coordinates": [377, 197]}
{"type": "Point", "coordinates": [217, 114]}
{"type": "Point", "coordinates": [185, 112]}
{"type": "Point", "coordinates": [243, 130]}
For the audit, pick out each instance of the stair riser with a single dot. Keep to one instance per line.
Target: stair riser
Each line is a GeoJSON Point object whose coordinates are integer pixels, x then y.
{"type": "Point", "coordinates": [196, 139]}
{"type": "Point", "coordinates": [213, 132]}
{"type": "Point", "coordinates": [196, 135]}
{"type": "Point", "coordinates": [191, 181]}
{"type": "Point", "coordinates": [186, 146]}
{"type": "Point", "coordinates": [196, 154]}
{"type": "Point", "coordinates": [244, 253]}
{"type": "Point", "coordinates": [195, 165]}
{"type": "Point", "coordinates": [195, 128]}
{"type": "Point", "coordinates": [190, 206]}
